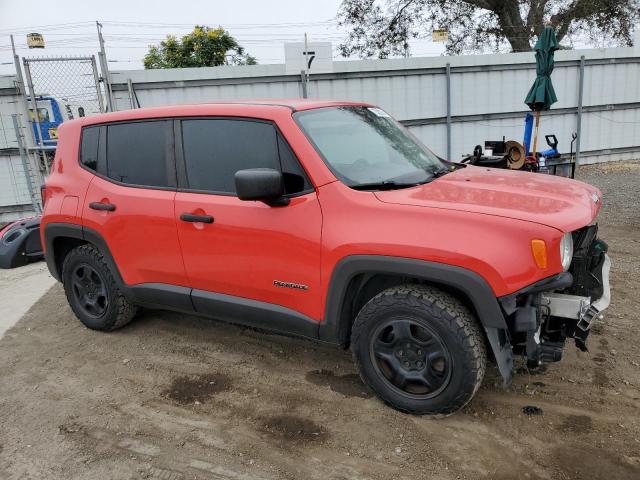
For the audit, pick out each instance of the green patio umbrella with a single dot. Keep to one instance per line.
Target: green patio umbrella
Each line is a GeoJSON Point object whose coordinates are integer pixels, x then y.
{"type": "Point", "coordinates": [542, 95]}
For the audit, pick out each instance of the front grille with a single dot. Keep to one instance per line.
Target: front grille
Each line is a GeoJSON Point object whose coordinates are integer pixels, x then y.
{"type": "Point", "coordinates": [586, 265]}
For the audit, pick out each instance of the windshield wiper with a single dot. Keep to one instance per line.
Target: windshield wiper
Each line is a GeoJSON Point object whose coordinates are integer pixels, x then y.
{"type": "Point", "coordinates": [440, 172]}
{"type": "Point", "coordinates": [393, 185]}
{"type": "Point", "coordinates": [384, 185]}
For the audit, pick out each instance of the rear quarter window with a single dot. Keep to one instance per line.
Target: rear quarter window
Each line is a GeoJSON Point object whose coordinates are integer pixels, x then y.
{"type": "Point", "coordinates": [89, 147]}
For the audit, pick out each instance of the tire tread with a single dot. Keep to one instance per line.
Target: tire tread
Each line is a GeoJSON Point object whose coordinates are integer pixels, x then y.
{"type": "Point", "coordinates": [444, 307]}
{"type": "Point", "coordinates": [125, 310]}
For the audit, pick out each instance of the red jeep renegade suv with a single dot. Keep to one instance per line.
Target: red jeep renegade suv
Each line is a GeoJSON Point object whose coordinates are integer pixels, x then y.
{"type": "Point", "coordinates": [331, 221]}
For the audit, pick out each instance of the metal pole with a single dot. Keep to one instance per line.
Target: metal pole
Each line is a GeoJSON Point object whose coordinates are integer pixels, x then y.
{"type": "Point", "coordinates": [25, 165]}
{"type": "Point", "coordinates": [534, 149]}
{"type": "Point", "coordinates": [306, 67]}
{"type": "Point", "coordinates": [36, 115]}
{"type": "Point", "coordinates": [102, 57]}
{"type": "Point", "coordinates": [22, 90]}
{"type": "Point", "coordinates": [303, 79]}
{"type": "Point", "coordinates": [96, 78]}
{"type": "Point", "coordinates": [448, 72]}
{"type": "Point", "coordinates": [132, 99]}
{"type": "Point", "coordinates": [579, 119]}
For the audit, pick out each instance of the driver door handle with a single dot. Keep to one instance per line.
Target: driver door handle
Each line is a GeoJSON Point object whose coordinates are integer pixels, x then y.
{"type": "Point", "coordinates": [109, 207]}
{"type": "Point", "coordinates": [189, 217]}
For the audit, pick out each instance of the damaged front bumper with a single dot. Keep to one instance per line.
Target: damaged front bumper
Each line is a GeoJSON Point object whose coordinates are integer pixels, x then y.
{"type": "Point", "coordinates": [542, 316]}
{"type": "Point", "coordinates": [579, 308]}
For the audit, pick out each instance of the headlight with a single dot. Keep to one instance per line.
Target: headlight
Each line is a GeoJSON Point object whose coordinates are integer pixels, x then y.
{"type": "Point", "coordinates": [566, 250]}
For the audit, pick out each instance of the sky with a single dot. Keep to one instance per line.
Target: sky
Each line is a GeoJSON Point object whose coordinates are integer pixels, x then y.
{"type": "Point", "coordinates": [129, 26]}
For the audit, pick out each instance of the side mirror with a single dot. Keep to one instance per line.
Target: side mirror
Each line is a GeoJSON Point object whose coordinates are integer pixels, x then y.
{"type": "Point", "coordinates": [264, 184]}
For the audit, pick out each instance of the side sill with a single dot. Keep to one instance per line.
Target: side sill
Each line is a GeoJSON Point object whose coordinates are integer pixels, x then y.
{"type": "Point", "coordinates": [161, 296]}
{"type": "Point", "coordinates": [227, 308]}
{"type": "Point", "coordinates": [253, 313]}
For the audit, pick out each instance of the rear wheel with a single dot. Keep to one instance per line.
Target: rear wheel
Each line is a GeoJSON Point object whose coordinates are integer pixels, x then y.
{"type": "Point", "coordinates": [420, 349]}
{"type": "Point", "coordinates": [92, 292]}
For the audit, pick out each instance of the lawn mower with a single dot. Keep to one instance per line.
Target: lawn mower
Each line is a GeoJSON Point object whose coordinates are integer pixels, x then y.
{"type": "Point", "coordinates": [517, 156]}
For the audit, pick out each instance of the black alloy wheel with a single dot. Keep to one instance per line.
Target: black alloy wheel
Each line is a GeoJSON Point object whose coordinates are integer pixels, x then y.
{"type": "Point", "coordinates": [420, 349]}
{"type": "Point", "coordinates": [89, 290]}
{"type": "Point", "coordinates": [411, 357]}
{"type": "Point", "coordinates": [92, 290]}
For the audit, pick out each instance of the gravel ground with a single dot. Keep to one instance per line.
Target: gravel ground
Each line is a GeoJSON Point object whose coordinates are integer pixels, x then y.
{"type": "Point", "coordinates": [177, 397]}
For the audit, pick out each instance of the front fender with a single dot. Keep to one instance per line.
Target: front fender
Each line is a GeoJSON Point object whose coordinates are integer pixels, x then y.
{"type": "Point", "coordinates": [334, 328]}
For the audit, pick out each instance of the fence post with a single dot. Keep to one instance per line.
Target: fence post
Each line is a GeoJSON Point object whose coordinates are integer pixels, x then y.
{"type": "Point", "coordinates": [22, 91]}
{"type": "Point", "coordinates": [36, 116]}
{"type": "Point", "coordinates": [448, 73]}
{"type": "Point", "coordinates": [104, 67]}
{"type": "Point", "coordinates": [132, 97]}
{"type": "Point", "coordinates": [96, 78]}
{"type": "Point", "coordinates": [579, 119]}
{"type": "Point", "coordinates": [29, 177]}
{"type": "Point", "coordinates": [303, 79]}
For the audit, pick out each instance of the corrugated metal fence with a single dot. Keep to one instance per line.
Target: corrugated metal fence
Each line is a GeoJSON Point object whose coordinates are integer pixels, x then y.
{"type": "Point", "coordinates": [485, 102]}
{"type": "Point", "coordinates": [450, 103]}
{"type": "Point", "coordinates": [15, 199]}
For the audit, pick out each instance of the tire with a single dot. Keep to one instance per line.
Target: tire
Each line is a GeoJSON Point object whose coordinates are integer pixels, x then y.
{"type": "Point", "coordinates": [419, 349]}
{"type": "Point", "coordinates": [92, 291]}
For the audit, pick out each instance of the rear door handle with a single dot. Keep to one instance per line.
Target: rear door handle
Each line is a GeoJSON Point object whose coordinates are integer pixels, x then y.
{"type": "Point", "coordinates": [109, 207]}
{"type": "Point", "coordinates": [189, 217]}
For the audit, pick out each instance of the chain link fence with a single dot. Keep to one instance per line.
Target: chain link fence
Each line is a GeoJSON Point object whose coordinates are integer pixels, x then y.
{"type": "Point", "coordinates": [60, 89]}
{"type": "Point", "coordinates": [56, 90]}
{"type": "Point", "coordinates": [72, 81]}
{"type": "Point", "coordinates": [16, 175]}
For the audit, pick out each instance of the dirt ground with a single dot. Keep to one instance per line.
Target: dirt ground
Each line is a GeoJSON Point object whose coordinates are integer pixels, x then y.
{"type": "Point", "coordinates": [20, 288]}
{"type": "Point", "coordinates": [175, 397]}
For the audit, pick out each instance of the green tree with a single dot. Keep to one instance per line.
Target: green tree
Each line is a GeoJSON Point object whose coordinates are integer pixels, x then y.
{"type": "Point", "coordinates": [383, 28]}
{"type": "Point", "coordinates": [203, 47]}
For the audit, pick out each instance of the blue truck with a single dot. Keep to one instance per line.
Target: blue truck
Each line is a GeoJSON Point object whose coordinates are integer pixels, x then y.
{"type": "Point", "coordinates": [50, 116]}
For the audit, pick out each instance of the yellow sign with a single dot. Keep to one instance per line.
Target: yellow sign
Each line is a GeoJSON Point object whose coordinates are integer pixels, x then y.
{"type": "Point", "coordinates": [53, 133]}
{"type": "Point", "coordinates": [441, 35]}
{"type": "Point", "coordinates": [35, 40]}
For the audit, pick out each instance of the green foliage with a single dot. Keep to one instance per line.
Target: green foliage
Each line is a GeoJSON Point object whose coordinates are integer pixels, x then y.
{"type": "Point", "coordinates": [203, 47]}
{"type": "Point", "coordinates": [382, 28]}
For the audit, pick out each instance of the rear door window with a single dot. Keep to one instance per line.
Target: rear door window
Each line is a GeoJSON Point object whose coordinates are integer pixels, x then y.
{"type": "Point", "coordinates": [138, 153]}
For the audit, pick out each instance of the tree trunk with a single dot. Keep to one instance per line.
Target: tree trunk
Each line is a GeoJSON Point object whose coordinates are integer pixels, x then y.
{"type": "Point", "coordinates": [513, 25]}
{"type": "Point", "coordinates": [518, 42]}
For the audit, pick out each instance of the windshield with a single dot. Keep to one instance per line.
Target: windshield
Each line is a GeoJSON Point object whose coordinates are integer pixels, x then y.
{"type": "Point", "coordinates": [365, 147]}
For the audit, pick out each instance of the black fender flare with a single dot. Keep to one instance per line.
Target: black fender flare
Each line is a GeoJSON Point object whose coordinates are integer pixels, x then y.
{"type": "Point", "coordinates": [472, 285]}
{"type": "Point", "coordinates": [151, 295]}
{"type": "Point", "coordinates": [52, 231]}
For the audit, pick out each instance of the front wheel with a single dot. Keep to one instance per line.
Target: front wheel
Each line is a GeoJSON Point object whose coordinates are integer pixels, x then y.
{"type": "Point", "coordinates": [419, 349]}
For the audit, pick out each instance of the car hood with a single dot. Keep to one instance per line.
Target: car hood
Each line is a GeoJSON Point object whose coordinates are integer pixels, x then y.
{"type": "Point", "coordinates": [545, 199]}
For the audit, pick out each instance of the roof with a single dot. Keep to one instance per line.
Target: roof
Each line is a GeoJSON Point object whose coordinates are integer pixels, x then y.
{"type": "Point", "coordinates": [257, 107]}
{"type": "Point", "coordinates": [295, 104]}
